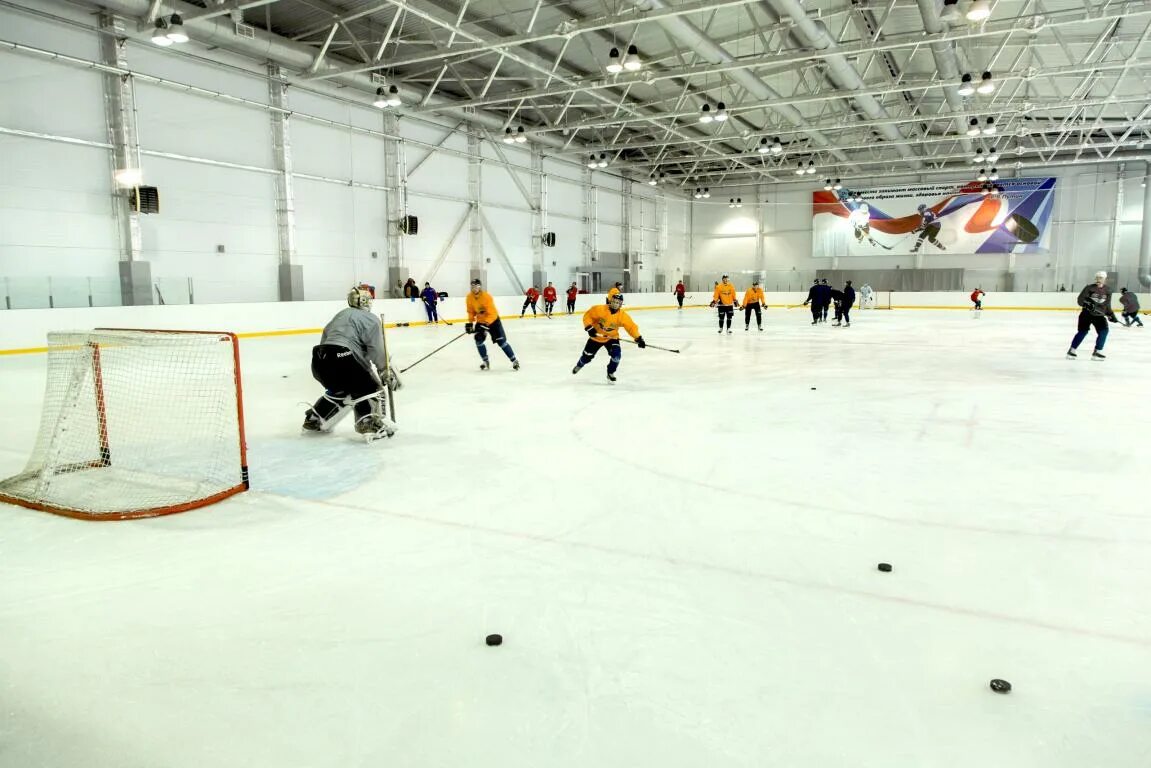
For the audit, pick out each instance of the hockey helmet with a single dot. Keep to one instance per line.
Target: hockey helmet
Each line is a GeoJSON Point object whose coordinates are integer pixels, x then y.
{"type": "Point", "coordinates": [359, 298]}
{"type": "Point", "coordinates": [921, 208]}
{"type": "Point", "coordinates": [615, 301]}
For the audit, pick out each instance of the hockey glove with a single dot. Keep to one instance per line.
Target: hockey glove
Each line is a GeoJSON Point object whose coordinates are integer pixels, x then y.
{"type": "Point", "coordinates": [711, 304]}
{"type": "Point", "coordinates": [469, 328]}
{"type": "Point", "coordinates": [639, 342]}
{"type": "Point", "coordinates": [591, 331]}
{"type": "Point", "coordinates": [1111, 319]}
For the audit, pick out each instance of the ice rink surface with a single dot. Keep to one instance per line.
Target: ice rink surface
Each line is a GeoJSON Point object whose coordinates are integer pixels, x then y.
{"type": "Point", "coordinates": [682, 564]}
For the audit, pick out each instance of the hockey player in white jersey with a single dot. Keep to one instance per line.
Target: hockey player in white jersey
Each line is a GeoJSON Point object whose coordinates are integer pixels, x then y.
{"type": "Point", "coordinates": [866, 297]}
{"type": "Point", "coordinates": [860, 220]}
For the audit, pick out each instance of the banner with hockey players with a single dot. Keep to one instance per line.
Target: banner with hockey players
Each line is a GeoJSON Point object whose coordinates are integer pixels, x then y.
{"type": "Point", "coordinates": [1011, 216]}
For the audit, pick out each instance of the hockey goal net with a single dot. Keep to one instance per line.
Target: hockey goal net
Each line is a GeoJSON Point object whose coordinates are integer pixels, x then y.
{"type": "Point", "coordinates": [136, 423]}
{"type": "Point", "coordinates": [879, 300]}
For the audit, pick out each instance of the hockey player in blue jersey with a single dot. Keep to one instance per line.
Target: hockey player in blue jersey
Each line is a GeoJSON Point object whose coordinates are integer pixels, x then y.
{"type": "Point", "coordinates": [928, 229]}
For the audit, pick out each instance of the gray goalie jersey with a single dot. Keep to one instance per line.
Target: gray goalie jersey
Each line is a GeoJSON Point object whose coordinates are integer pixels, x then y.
{"type": "Point", "coordinates": [359, 331]}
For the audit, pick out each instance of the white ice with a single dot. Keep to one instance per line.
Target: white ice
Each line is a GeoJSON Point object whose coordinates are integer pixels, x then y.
{"type": "Point", "coordinates": [682, 564]}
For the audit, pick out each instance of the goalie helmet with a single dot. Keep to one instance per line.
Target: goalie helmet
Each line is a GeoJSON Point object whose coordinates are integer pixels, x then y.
{"type": "Point", "coordinates": [359, 298]}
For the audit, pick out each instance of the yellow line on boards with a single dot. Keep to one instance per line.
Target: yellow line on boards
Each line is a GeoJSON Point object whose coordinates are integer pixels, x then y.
{"type": "Point", "coordinates": [414, 323]}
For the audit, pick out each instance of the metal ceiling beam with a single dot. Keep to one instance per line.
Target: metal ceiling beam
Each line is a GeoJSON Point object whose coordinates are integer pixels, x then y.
{"type": "Point", "coordinates": [688, 34]}
{"type": "Point", "coordinates": [918, 85]}
{"type": "Point", "coordinates": [564, 31]}
{"type": "Point", "coordinates": [904, 41]}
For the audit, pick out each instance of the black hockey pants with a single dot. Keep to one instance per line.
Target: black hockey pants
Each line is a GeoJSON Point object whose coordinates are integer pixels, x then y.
{"type": "Point", "coordinates": [342, 376]}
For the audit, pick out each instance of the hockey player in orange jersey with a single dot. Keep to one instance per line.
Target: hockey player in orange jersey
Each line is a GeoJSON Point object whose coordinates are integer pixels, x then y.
{"type": "Point", "coordinates": [483, 318]}
{"type": "Point", "coordinates": [753, 300]}
{"type": "Point", "coordinates": [602, 323]}
{"type": "Point", "coordinates": [724, 298]}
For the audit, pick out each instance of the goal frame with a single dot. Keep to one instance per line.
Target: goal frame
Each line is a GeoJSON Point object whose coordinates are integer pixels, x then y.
{"type": "Point", "coordinates": [105, 453]}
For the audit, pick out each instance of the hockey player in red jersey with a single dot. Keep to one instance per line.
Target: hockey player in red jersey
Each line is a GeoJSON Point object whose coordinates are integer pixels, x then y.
{"type": "Point", "coordinates": [533, 295]}
{"type": "Point", "coordinates": [549, 299]}
{"type": "Point", "coordinates": [573, 291]}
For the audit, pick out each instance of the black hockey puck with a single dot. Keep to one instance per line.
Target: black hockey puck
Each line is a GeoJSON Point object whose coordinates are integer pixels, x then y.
{"type": "Point", "coordinates": [1000, 686]}
{"type": "Point", "coordinates": [494, 640]}
{"type": "Point", "coordinates": [813, 389]}
{"type": "Point", "coordinates": [885, 567]}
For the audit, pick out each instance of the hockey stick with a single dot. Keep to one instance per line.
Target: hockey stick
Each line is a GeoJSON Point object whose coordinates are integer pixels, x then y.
{"type": "Point", "coordinates": [387, 370]}
{"type": "Point", "coordinates": [653, 346]}
{"type": "Point", "coordinates": [437, 349]}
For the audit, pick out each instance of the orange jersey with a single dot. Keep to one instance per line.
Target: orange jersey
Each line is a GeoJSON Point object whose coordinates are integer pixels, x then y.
{"type": "Point", "coordinates": [482, 308]}
{"type": "Point", "coordinates": [754, 294]}
{"type": "Point", "coordinates": [724, 294]}
{"type": "Point", "coordinates": [608, 323]}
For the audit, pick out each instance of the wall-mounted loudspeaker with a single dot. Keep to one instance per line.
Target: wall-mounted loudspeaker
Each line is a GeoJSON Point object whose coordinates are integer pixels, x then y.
{"type": "Point", "coordinates": [550, 239]}
{"type": "Point", "coordinates": [410, 225]}
{"type": "Point", "coordinates": [144, 199]}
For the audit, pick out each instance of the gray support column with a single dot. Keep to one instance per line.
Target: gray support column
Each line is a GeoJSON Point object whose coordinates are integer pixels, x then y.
{"type": "Point", "coordinates": [1145, 232]}
{"type": "Point", "coordinates": [120, 112]}
{"type": "Point", "coordinates": [760, 251]}
{"type": "Point", "coordinates": [291, 275]}
{"type": "Point", "coordinates": [1113, 235]}
{"type": "Point", "coordinates": [539, 269]}
{"type": "Point", "coordinates": [625, 235]}
{"type": "Point", "coordinates": [479, 269]}
{"type": "Point", "coordinates": [397, 204]}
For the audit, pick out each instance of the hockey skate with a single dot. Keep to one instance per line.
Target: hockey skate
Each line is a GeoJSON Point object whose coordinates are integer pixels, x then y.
{"type": "Point", "coordinates": [611, 377]}
{"type": "Point", "coordinates": [1097, 355]}
{"type": "Point", "coordinates": [374, 426]}
{"type": "Point", "coordinates": [1071, 354]}
{"type": "Point", "coordinates": [312, 423]}
{"type": "Point", "coordinates": [576, 369]}
{"type": "Point", "coordinates": [484, 365]}
{"type": "Point", "coordinates": [515, 365]}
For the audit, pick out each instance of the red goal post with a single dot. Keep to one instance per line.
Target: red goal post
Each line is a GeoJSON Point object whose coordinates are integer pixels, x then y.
{"type": "Point", "coordinates": [136, 423]}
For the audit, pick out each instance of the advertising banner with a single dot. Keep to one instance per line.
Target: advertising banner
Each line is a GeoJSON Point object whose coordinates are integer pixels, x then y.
{"type": "Point", "coordinates": [1011, 216]}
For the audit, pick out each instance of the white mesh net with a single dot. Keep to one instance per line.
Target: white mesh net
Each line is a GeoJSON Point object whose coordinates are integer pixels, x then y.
{"type": "Point", "coordinates": [135, 423]}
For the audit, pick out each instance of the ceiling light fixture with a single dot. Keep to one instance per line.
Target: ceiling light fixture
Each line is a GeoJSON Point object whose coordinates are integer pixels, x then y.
{"type": "Point", "coordinates": [810, 167]}
{"type": "Point", "coordinates": [602, 160]}
{"type": "Point", "coordinates": [799, 171]}
{"type": "Point", "coordinates": [651, 181]}
{"type": "Point", "coordinates": [993, 156]}
{"type": "Point", "coordinates": [950, 10]}
{"type": "Point", "coordinates": [705, 114]}
{"type": "Point", "coordinates": [508, 137]}
{"type": "Point", "coordinates": [613, 63]}
{"type": "Point", "coordinates": [739, 202]}
{"type": "Point", "coordinates": [176, 31]}
{"type": "Point", "coordinates": [631, 62]}
{"type": "Point", "coordinates": [720, 112]}
{"type": "Point", "coordinates": [776, 147]}
{"type": "Point", "coordinates": [763, 148]}
{"type": "Point", "coordinates": [160, 33]}
{"type": "Point", "coordinates": [973, 127]}
{"type": "Point", "coordinates": [986, 190]}
{"type": "Point", "coordinates": [979, 10]}
{"type": "Point", "coordinates": [978, 156]}
{"type": "Point", "coordinates": [982, 175]}
{"type": "Point", "coordinates": [837, 186]}
{"type": "Point", "coordinates": [706, 192]}
{"type": "Point", "coordinates": [591, 163]}
{"type": "Point", "coordinates": [989, 126]}
{"type": "Point", "coordinates": [966, 87]}
{"type": "Point", "coordinates": [994, 175]}
{"type": "Point", "coordinates": [827, 185]}
{"type": "Point", "coordinates": [393, 96]}
{"type": "Point", "coordinates": [731, 203]}
{"type": "Point", "coordinates": [986, 84]}
{"type": "Point", "coordinates": [521, 136]}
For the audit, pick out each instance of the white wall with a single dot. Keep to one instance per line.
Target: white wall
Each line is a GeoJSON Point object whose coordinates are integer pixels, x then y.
{"type": "Point", "coordinates": [212, 160]}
